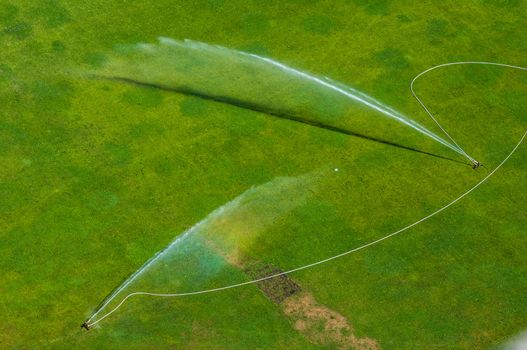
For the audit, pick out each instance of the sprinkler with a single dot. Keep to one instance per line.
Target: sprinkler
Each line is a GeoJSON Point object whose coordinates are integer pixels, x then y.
{"type": "Point", "coordinates": [85, 325]}
{"type": "Point", "coordinates": [476, 164]}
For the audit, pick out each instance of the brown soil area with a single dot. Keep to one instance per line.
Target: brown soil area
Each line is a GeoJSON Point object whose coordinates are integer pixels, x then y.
{"type": "Point", "coordinates": [323, 326]}
{"type": "Point", "coordinates": [319, 324]}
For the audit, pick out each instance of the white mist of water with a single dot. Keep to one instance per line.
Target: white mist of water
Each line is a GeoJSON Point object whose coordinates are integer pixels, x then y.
{"type": "Point", "coordinates": [517, 343]}
{"type": "Point", "coordinates": [253, 80]}
{"type": "Point", "coordinates": [216, 242]}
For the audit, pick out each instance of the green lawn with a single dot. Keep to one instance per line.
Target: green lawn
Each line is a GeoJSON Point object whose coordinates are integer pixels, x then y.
{"type": "Point", "coordinates": [96, 176]}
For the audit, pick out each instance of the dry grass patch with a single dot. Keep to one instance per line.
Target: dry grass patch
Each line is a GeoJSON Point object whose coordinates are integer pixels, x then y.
{"type": "Point", "coordinates": [323, 326]}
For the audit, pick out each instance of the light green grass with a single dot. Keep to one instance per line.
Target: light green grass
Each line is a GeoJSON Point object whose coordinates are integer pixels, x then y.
{"type": "Point", "coordinates": [96, 176]}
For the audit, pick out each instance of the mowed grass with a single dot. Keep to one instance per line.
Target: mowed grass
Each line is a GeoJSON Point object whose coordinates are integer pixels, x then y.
{"type": "Point", "coordinates": [97, 176]}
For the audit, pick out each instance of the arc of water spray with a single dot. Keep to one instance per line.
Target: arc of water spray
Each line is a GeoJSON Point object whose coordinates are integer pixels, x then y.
{"type": "Point", "coordinates": [89, 323]}
{"type": "Point", "coordinates": [190, 63]}
{"type": "Point", "coordinates": [363, 99]}
{"type": "Point", "coordinates": [348, 92]}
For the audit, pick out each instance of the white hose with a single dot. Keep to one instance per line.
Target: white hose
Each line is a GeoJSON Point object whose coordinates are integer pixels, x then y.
{"type": "Point", "coordinates": [446, 65]}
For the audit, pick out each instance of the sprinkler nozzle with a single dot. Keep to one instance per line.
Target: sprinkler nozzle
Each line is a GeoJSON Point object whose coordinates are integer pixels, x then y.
{"type": "Point", "coordinates": [86, 326]}
{"type": "Point", "coordinates": [476, 164]}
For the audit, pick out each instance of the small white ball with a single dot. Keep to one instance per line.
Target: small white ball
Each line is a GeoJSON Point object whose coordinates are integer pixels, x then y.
{"type": "Point", "coordinates": [336, 169]}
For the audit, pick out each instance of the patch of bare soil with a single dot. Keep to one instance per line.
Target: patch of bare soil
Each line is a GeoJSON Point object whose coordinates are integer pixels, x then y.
{"type": "Point", "coordinates": [323, 326]}
{"type": "Point", "coordinates": [277, 289]}
{"type": "Point", "coordinates": [318, 323]}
